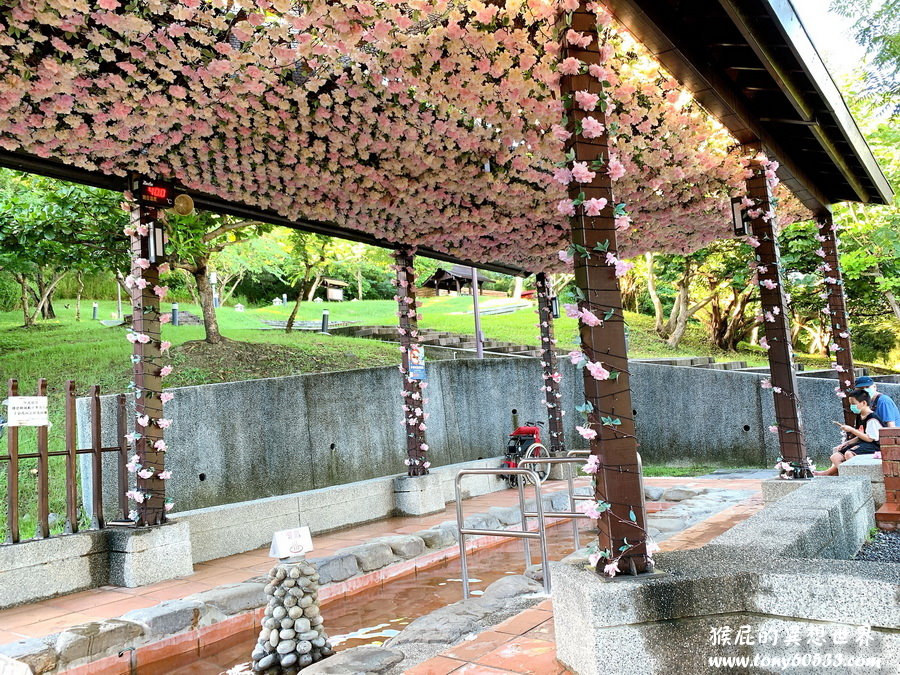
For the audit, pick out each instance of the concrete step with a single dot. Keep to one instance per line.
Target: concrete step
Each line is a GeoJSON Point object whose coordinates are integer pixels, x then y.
{"type": "Point", "coordinates": [735, 365]}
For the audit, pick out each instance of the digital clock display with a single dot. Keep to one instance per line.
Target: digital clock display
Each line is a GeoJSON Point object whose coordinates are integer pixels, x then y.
{"type": "Point", "coordinates": [155, 193]}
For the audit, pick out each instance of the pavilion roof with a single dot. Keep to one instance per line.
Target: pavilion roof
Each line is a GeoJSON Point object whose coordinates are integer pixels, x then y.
{"type": "Point", "coordinates": [426, 123]}
{"type": "Point", "coordinates": [754, 66]}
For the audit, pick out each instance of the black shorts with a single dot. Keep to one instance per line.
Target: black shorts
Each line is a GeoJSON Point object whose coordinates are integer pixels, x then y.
{"type": "Point", "coordinates": [864, 448]}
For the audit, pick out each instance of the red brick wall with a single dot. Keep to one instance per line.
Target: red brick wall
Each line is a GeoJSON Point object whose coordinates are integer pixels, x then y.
{"type": "Point", "coordinates": [890, 463]}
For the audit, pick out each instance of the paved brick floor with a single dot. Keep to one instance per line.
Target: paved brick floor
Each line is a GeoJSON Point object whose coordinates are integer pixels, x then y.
{"type": "Point", "coordinates": [526, 642]}
{"type": "Point", "coordinates": [532, 646]}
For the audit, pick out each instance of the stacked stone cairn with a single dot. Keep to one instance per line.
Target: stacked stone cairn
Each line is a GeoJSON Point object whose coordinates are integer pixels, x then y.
{"type": "Point", "coordinates": [292, 636]}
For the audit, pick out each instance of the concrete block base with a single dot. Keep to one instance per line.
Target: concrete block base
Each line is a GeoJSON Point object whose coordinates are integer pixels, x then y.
{"type": "Point", "coordinates": [870, 468]}
{"type": "Point", "coordinates": [725, 599]}
{"type": "Point", "coordinates": [147, 555]}
{"type": "Point", "coordinates": [418, 495]}
{"type": "Point", "coordinates": [774, 489]}
{"type": "Point", "coordinates": [43, 568]}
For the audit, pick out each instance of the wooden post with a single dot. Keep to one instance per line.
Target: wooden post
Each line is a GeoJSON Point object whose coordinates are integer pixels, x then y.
{"type": "Point", "coordinates": [71, 460]}
{"type": "Point", "coordinates": [43, 476]}
{"type": "Point", "coordinates": [618, 480]}
{"type": "Point", "coordinates": [146, 323]}
{"type": "Point", "coordinates": [479, 337]}
{"type": "Point", "coordinates": [12, 475]}
{"type": "Point", "coordinates": [121, 433]}
{"type": "Point", "coordinates": [776, 321]}
{"type": "Point", "coordinates": [551, 376]}
{"type": "Point", "coordinates": [837, 310]}
{"type": "Point", "coordinates": [414, 415]}
{"type": "Point", "coordinates": [96, 459]}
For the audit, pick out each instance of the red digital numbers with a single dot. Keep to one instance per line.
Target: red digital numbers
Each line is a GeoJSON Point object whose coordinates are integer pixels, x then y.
{"type": "Point", "coordinates": [157, 191]}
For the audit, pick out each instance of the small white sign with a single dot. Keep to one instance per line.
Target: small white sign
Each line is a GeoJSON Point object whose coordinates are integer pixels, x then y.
{"type": "Point", "coordinates": [290, 543]}
{"type": "Point", "coordinates": [27, 411]}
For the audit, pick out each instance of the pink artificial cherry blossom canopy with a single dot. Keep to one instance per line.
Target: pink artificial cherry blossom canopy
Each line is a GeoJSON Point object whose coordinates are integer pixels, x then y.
{"type": "Point", "coordinates": [428, 123]}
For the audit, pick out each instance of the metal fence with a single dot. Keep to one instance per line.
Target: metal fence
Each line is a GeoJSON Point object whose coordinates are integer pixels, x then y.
{"type": "Point", "coordinates": [12, 462]}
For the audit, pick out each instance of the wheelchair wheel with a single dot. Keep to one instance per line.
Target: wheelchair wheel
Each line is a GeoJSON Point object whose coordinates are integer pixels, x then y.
{"type": "Point", "coordinates": [536, 450]}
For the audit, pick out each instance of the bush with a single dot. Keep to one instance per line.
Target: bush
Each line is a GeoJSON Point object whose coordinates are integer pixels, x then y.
{"type": "Point", "coordinates": [10, 293]}
{"type": "Point", "coordinates": [873, 342]}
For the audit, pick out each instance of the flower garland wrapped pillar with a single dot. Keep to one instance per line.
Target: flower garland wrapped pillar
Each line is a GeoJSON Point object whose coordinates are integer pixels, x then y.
{"type": "Point", "coordinates": [412, 367]}
{"type": "Point", "coordinates": [836, 309]}
{"type": "Point", "coordinates": [590, 171]}
{"type": "Point", "coordinates": [552, 398]}
{"type": "Point", "coordinates": [777, 340]}
{"type": "Point", "coordinates": [146, 294]}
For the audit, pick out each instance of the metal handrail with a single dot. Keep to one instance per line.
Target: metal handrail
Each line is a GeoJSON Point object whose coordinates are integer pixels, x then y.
{"type": "Point", "coordinates": [581, 454]}
{"type": "Point", "coordinates": [570, 480]}
{"type": "Point", "coordinates": [522, 534]}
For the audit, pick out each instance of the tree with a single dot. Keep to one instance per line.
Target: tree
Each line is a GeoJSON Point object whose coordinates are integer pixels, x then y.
{"type": "Point", "coordinates": [810, 326]}
{"type": "Point", "coordinates": [870, 235]}
{"type": "Point", "coordinates": [877, 28]}
{"type": "Point", "coordinates": [366, 268]}
{"type": "Point", "coordinates": [308, 259]}
{"type": "Point", "coordinates": [193, 240]}
{"type": "Point", "coordinates": [726, 276]}
{"type": "Point", "coordinates": [248, 258]}
{"type": "Point", "coordinates": [684, 269]}
{"type": "Point", "coordinates": [49, 228]}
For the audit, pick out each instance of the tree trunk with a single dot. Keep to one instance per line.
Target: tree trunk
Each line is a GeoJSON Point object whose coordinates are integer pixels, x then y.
{"type": "Point", "coordinates": [230, 291]}
{"type": "Point", "coordinates": [204, 289]}
{"type": "Point", "coordinates": [892, 301]}
{"type": "Point", "coordinates": [80, 281]}
{"type": "Point", "coordinates": [517, 288]}
{"type": "Point", "coordinates": [314, 288]}
{"type": "Point", "coordinates": [359, 284]}
{"type": "Point", "coordinates": [654, 296]}
{"type": "Point", "coordinates": [558, 283]}
{"type": "Point", "coordinates": [28, 316]}
{"type": "Point", "coordinates": [289, 326]}
{"type": "Point", "coordinates": [45, 301]}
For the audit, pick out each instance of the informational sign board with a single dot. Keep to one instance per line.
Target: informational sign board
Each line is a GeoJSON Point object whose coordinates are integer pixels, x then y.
{"type": "Point", "coordinates": [417, 363]}
{"type": "Point", "coordinates": [27, 411]}
{"type": "Point", "coordinates": [290, 543]}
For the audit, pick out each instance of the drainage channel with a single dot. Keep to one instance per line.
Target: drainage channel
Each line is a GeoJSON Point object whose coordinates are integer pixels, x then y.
{"type": "Point", "coordinates": [373, 616]}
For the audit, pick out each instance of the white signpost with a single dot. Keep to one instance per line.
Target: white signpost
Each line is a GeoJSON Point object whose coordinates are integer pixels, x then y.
{"type": "Point", "coordinates": [290, 543]}
{"type": "Point", "coordinates": [27, 411]}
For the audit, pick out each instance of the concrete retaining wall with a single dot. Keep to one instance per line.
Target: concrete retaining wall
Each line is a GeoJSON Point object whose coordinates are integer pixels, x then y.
{"type": "Point", "coordinates": [259, 438]}
{"type": "Point", "coordinates": [217, 531]}
{"type": "Point", "coordinates": [35, 570]}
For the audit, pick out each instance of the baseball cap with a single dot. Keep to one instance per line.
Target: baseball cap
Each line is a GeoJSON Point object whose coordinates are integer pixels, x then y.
{"type": "Point", "coordinates": [864, 381]}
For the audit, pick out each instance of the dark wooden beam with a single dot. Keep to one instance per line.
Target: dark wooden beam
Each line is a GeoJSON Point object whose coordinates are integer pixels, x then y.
{"type": "Point", "coordinates": [413, 392]}
{"type": "Point", "coordinates": [550, 367]}
{"type": "Point", "coordinates": [837, 310]}
{"type": "Point", "coordinates": [776, 321]}
{"type": "Point", "coordinates": [618, 480]}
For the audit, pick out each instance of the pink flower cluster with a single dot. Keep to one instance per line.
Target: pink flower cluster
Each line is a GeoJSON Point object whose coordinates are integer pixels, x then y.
{"type": "Point", "coordinates": [265, 110]}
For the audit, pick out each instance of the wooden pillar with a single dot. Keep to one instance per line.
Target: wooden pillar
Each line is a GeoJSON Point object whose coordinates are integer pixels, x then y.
{"type": "Point", "coordinates": [617, 481]}
{"type": "Point", "coordinates": [150, 493]}
{"type": "Point", "coordinates": [840, 348]}
{"type": "Point", "coordinates": [776, 321]}
{"type": "Point", "coordinates": [413, 387]}
{"type": "Point", "coordinates": [551, 376]}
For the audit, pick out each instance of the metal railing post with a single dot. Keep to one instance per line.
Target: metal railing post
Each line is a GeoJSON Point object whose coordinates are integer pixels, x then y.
{"type": "Point", "coordinates": [522, 534]}
{"type": "Point", "coordinates": [570, 482]}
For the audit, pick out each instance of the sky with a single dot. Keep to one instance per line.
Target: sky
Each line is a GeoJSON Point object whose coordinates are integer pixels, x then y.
{"type": "Point", "coordinates": [832, 36]}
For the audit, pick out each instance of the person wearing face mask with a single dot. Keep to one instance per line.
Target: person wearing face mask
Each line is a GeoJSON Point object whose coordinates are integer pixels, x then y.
{"type": "Point", "coordinates": [862, 437]}
{"type": "Point", "coordinates": [882, 404]}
